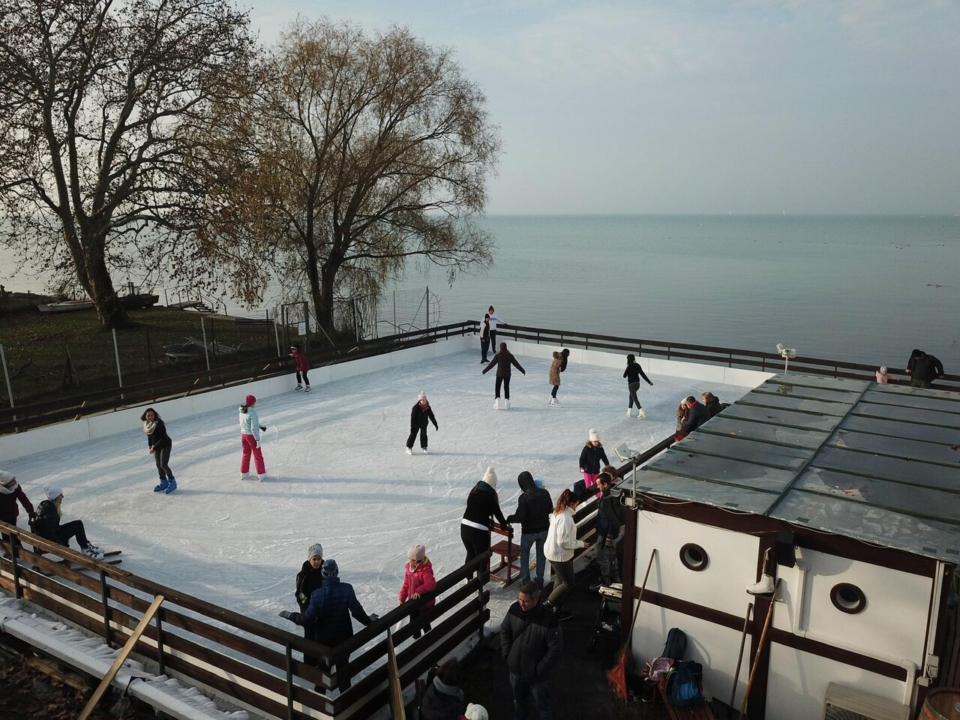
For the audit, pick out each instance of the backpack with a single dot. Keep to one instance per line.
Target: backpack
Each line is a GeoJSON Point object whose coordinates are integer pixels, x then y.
{"type": "Point", "coordinates": [684, 685]}
{"type": "Point", "coordinates": [580, 490]}
{"type": "Point", "coordinates": [676, 644]}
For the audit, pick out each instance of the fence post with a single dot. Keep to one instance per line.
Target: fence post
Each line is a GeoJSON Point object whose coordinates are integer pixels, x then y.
{"type": "Point", "coordinates": [206, 350]}
{"type": "Point", "coordinates": [6, 374]}
{"type": "Point", "coordinates": [161, 665]}
{"type": "Point", "coordinates": [107, 634]}
{"type": "Point", "coordinates": [356, 323]}
{"type": "Point", "coordinates": [289, 668]}
{"type": "Point", "coordinates": [17, 590]}
{"type": "Point", "coordinates": [428, 306]}
{"type": "Point", "coordinates": [276, 333]}
{"type": "Point", "coordinates": [116, 352]}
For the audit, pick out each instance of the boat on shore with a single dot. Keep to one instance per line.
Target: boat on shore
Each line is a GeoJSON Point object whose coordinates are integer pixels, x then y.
{"type": "Point", "coordinates": [137, 301]}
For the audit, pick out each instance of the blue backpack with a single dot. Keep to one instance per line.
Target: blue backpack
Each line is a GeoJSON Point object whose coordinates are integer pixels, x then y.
{"type": "Point", "coordinates": [685, 685]}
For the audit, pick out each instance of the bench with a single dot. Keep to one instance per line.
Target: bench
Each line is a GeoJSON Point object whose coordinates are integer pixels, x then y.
{"type": "Point", "coordinates": [700, 712]}
{"type": "Point", "coordinates": [507, 569]}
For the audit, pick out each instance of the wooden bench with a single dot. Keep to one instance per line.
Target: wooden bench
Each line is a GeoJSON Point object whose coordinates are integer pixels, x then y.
{"type": "Point", "coordinates": [507, 551]}
{"type": "Point", "coordinates": [700, 712]}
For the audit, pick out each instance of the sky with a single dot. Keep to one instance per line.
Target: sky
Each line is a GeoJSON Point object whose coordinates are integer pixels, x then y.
{"type": "Point", "coordinates": [751, 106]}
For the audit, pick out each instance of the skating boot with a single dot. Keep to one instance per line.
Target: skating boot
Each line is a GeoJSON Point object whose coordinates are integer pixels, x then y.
{"type": "Point", "coordinates": [641, 414]}
{"type": "Point", "coordinates": [425, 451]}
{"type": "Point", "coordinates": [556, 403]}
{"type": "Point", "coordinates": [496, 404]}
{"type": "Point", "coordinates": [307, 389]}
{"type": "Point", "coordinates": [409, 451]}
{"type": "Point", "coordinates": [506, 404]}
{"type": "Point", "coordinates": [162, 487]}
{"type": "Point", "coordinates": [553, 401]}
{"type": "Point", "coordinates": [92, 551]}
{"type": "Point", "coordinates": [629, 413]}
{"type": "Point", "coordinates": [299, 387]}
{"type": "Point", "coordinates": [764, 587]}
{"type": "Point", "coordinates": [171, 486]}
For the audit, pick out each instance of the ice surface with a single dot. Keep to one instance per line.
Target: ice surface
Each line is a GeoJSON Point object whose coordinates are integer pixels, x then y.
{"type": "Point", "coordinates": [340, 476]}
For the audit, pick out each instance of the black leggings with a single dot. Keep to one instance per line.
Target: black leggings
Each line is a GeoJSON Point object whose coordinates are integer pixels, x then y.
{"type": "Point", "coordinates": [303, 375]}
{"type": "Point", "coordinates": [162, 457]}
{"type": "Point", "coordinates": [554, 393]}
{"type": "Point", "coordinates": [74, 528]}
{"type": "Point", "coordinates": [413, 436]}
{"type": "Point", "coordinates": [475, 541]}
{"type": "Point", "coordinates": [505, 381]}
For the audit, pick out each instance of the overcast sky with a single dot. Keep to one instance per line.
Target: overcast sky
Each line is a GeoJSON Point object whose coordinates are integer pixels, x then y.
{"type": "Point", "coordinates": [803, 106]}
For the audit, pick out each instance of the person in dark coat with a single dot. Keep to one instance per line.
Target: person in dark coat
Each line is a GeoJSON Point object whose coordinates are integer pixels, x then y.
{"type": "Point", "coordinates": [609, 527]}
{"type": "Point", "coordinates": [503, 360]}
{"type": "Point", "coordinates": [443, 698]}
{"type": "Point", "coordinates": [712, 403]}
{"type": "Point", "coordinates": [421, 414]}
{"type": "Point", "coordinates": [10, 493]}
{"type": "Point", "coordinates": [924, 369]}
{"type": "Point", "coordinates": [330, 609]}
{"type": "Point", "coordinates": [48, 524]}
{"type": "Point", "coordinates": [531, 642]}
{"type": "Point", "coordinates": [485, 338]}
{"type": "Point", "coordinates": [159, 445]}
{"type": "Point", "coordinates": [534, 507]}
{"type": "Point", "coordinates": [302, 363]}
{"type": "Point", "coordinates": [697, 415]}
{"type": "Point", "coordinates": [309, 580]}
{"type": "Point", "coordinates": [591, 458]}
{"type": "Point", "coordinates": [482, 506]}
{"type": "Point", "coordinates": [558, 366]}
{"type": "Point", "coordinates": [633, 373]}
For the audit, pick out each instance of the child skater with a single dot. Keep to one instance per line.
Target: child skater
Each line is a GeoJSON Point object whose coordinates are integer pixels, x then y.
{"type": "Point", "coordinates": [303, 365]}
{"type": "Point", "coordinates": [558, 365]}
{"type": "Point", "coordinates": [159, 445]}
{"type": "Point", "coordinates": [418, 580]}
{"type": "Point", "coordinates": [250, 428]}
{"type": "Point", "coordinates": [590, 458]}
{"type": "Point", "coordinates": [421, 414]}
{"type": "Point", "coordinates": [48, 524]}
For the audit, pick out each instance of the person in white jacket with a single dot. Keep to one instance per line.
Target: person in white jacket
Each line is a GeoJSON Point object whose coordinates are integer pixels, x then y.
{"type": "Point", "coordinates": [250, 438]}
{"type": "Point", "coordinates": [559, 547]}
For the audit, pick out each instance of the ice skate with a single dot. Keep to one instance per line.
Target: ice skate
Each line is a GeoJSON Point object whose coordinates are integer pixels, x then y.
{"type": "Point", "coordinates": [162, 487]}
{"type": "Point", "coordinates": [553, 401]}
{"type": "Point", "coordinates": [556, 402]}
{"type": "Point", "coordinates": [641, 414]}
{"type": "Point", "coordinates": [245, 476]}
{"type": "Point", "coordinates": [263, 478]}
{"type": "Point", "coordinates": [496, 404]}
{"type": "Point", "coordinates": [307, 389]}
{"type": "Point", "coordinates": [425, 451]}
{"type": "Point", "coordinates": [506, 404]}
{"type": "Point", "coordinates": [409, 451]}
{"type": "Point", "coordinates": [92, 551]}
{"type": "Point", "coordinates": [764, 587]}
{"type": "Point", "coordinates": [629, 413]}
{"type": "Point", "coordinates": [171, 486]}
{"type": "Point", "coordinates": [299, 387]}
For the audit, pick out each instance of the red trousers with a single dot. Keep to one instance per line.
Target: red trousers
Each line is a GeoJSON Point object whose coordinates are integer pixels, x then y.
{"type": "Point", "coordinates": [250, 445]}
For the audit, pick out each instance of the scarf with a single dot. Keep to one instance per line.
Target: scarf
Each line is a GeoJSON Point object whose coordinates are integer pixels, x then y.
{"type": "Point", "coordinates": [149, 427]}
{"type": "Point", "coordinates": [4, 490]}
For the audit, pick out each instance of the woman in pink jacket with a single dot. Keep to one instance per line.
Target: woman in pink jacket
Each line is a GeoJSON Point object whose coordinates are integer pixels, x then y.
{"type": "Point", "coordinates": [418, 580]}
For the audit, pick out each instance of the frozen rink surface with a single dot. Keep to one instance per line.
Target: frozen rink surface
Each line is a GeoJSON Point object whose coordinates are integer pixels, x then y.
{"type": "Point", "coordinates": [339, 475]}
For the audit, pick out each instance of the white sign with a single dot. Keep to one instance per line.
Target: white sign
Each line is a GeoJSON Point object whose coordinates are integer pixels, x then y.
{"type": "Point", "coordinates": [302, 328]}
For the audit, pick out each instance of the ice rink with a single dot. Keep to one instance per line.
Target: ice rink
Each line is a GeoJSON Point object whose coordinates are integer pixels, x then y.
{"type": "Point", "coordinates": [339, 475]}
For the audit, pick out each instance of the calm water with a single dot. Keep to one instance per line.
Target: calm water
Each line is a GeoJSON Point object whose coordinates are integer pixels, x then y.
{"type": "Point", "coordinates": [865, 289]}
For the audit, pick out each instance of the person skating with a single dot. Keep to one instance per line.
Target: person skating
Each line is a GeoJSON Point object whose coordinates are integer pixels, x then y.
{"type": "Point", "coordinates": [633, 373]}
{"type": "Point", "coordinates": [591, 457]}
{"type": "Point", "coordinates": [421, 414]}
{"type": "Point", "coordinates": [250, 429]}
{"type": "Point", "coordinates": [533, 513]}
{"type": "Point", "coordinates": [482, 506]}
{"type": "Point", "coordinates": [303, 366]}
{"type": "Point", "coordinates": [418, 580]}
{"type": "Point", "coordinates": [330, 609]}
{"type": "Point", "coordinates": [309, 580]}
{"type": "Point", "coordinates": [48, 524]}
{"type": "Point", "coordinates": [159, 445]}
{"type": "Point", "coordinates": [531, 642]}
{"type": "Point", "coordinates": [10, 493]}
{"type": "Point", "coordinates": [504, 359]}
{"type": "Point", "coordinates": [485, 338]}
{"type": "Point", "coordinates": [558, 365]}
{"type": "Point", "coordinates": [561, 543]}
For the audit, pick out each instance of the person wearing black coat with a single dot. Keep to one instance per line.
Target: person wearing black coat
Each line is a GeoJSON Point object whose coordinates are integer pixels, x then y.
{"type": "Point", "coordinates": [924, 369]}
{"type": "Point", "coordinates": [503, 360]}
{"type": "Point", "coordinates": [633, 373]}
{"type": "Point", "coordinates": [159, 445]}
{"type": "Point", "coordinates": [531, 642]}
{"type": "Point", "coordinates": [309, 579]}
{"type": "Point", "coordinates": [712, 403]}
{"type": "Point", "coordinates": [482, 506]}
{"type": "Point", "coordinates": [421, 414]}
{"type": "Point", "coordinates": [697, 415]}
{"type": "Point", "coordinates": [533, 513]}
{"type": "Point", "coordinates": [609, 524]}
{"type": "Point", "coordinates": [443, 698]}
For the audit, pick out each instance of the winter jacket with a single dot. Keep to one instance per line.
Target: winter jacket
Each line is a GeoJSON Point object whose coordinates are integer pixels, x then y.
{"type": "Point", "coordinates": [418, 581]}
{"type": "Point", "coordinates": [714, 406]}
{"type": "Point", "coordinates": [442, 702]}
{"type": "Point", "coordinates": [697, 415]}
{"type": "Point", "coordinates": [309, 580]}
{"type": "Point", "coordinates": [609, 515]}
{"type": "Point", "coordinates": [330, 608]}
{"type": "Point", "coordinates": [554, 377]}
{"type": "Point", "coordinates": [494, 321]}
{"type": "Point", "coordinates": [503, 361]}
{"type": "Point", "coordinates": [485, 330]}
{"type": "Point", "coordinates": [531, 642]}
{"type": "Point", "coordinates": [561, 537]}
{"type": "Point", "coordinates": [8, 503]}
{"type": "Point", "coordinates": [419, 417]}
{"type": "Point", "coordinates": [534, 506]}
{"type": "Point", "coordinates": [634, 372]}
{"type": "Point", "coordinates": [250, 423]}
{"type": "Point", "coordinates": [158, 439]}
{"type": "Point", "coordinates": [927, 368]}
{"type": "Point", "coordinates": [590, 458]}
{"type": "Point", "coordinates": [482, 505]}
{"type": "Point", "coordinates": [301, 360]}
{"type": "Point", "coordinates": [48, 521]}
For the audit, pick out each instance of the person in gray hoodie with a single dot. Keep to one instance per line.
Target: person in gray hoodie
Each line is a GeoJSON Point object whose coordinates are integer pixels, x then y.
{"type": "Point", "coordinates": [533, 513]}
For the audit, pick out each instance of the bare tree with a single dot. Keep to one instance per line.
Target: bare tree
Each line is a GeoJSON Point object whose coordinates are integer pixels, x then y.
{"type": "Point", "coordinates": [99, 106]}
{"type": "Point", "coordinates": [362, 152]}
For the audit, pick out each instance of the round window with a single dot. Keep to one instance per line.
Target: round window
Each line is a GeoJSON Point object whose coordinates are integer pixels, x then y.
{"type": "Point", "coordinates": [694, 557]}
{"type": "Point", "coordinates": [848, 598]}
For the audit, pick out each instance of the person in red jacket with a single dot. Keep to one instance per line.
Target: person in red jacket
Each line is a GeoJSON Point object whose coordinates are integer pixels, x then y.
{"type": "Point", "coordinates": [10, 492]}
{"type": "Point", "coordinates": [418, 580]}
{"type": "Point", "coordinates": [303, 365]}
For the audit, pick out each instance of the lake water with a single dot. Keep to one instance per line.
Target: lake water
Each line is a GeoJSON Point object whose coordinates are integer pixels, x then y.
{"type": "Point", "coordinates": [866, 289]}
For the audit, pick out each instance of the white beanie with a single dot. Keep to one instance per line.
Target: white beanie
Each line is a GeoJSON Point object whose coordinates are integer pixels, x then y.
{"type": "Point", "coordinates": [422, 395]}
{"type": "Point", "coordinates": [476, 712]}
{"type": "Point", "coordinates": [883, 369]}
{"type": "Point", "coordinates": [490, 477]}
{"type": "Point", "coordinates": [316, 550]}
{"type": "Point", "coordinates": [593, 437]}
{"type": "Point", "coordinates": [5, 477]}
{"type": "Point", "coordinates": [52, 491]}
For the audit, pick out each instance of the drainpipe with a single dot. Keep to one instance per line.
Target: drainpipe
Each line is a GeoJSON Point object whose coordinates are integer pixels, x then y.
{"type": "Point", "coordinates": [800, 631]}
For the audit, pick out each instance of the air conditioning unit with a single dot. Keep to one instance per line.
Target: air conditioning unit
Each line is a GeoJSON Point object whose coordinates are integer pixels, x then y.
{"type": "Point", "coordinates": [843, 703]}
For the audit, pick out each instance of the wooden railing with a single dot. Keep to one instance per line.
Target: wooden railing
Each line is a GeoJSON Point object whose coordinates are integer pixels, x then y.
{"type": "Point", "coordinates": [235, 655]}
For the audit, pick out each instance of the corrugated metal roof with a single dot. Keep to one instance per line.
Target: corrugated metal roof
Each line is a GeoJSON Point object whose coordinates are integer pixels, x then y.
{"type": "Point", "coordinates": [876, 462]}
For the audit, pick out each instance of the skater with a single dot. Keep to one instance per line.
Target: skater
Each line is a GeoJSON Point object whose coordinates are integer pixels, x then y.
{"type": "Point", "coordinates": [882, 377]}
{"type": "Point", "coordinates": [159, 445]}
{"type": "Point", "coordinates": [561, 542]}
{"type": "Point", "coordinates": [485, 338]}
{"type": "Point", "coordinates": [533, 513]}
{"type": "Point", "coordinates": [309, 580]}
{"type": "Point", "coordinates": [503, 360]}
{"type": "Point", "coordinates": [609, 526]}
{"type": "Point", "coordinates": [10, 493]}
{"type": "Point", "coordinates": [590, 458]}
{"type": "Point", "coordinates": [303, 365]}
{"type": "Point", "coordinates": [531, 642]}
{"type": "Point", "coordinates": [48, 524]}
{"type": "Point", "coordinates": [633, 373]}
{"type": "Point", "coordinates": [421, 414]}
{"type": "Point", "coordinates": [330, 609]}
{"type": "Point", "coordinates": [418, 580]}
{"type": "Point", "coordinates": [495, 322]}
{"type": "Point", "coordinates": [558, 365]}
{"type": "Point", "coordinates": [250, 428]}
{"type": "Point", "coordinates": [482, 505]}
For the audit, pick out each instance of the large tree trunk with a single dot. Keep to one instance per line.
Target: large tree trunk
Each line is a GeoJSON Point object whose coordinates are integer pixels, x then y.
{"type": "Point", "coordinates": [99, 286]}
{"type": "Point", "coordinates": [323, 296]}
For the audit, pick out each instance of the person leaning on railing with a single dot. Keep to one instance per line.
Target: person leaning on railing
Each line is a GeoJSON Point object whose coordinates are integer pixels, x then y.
{"type": "Point", "coordinates": [10, 493]}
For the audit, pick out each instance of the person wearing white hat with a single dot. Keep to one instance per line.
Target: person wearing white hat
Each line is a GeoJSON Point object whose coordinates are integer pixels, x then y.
{"type": "Point", "coordinates": [882, 376]}
{"type": "Point", "coordinates": [421, 414]}
{"type": "Point", "coordinates": [10, 493]}
{"type": "Point", "coordinates": [592, 457]}
{"type": "Point", "coordinates": [418, 579]}
{"type": "Point", "coordinates": [48, 524]}
{"type": "Point", "coordinates": [309, 580]}
{"type": "Point", "coordinates": [476, 712]}
{"type": "Point", "coordinates": [482, 505]}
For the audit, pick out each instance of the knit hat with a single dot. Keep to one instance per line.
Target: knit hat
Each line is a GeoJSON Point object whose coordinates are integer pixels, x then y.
{"type": "Point", "coordinates": [316, 550]}
{"type": "Point", "coordinates": [490, 477]}
{"type": "Point", "coordinates": [249, 400]}
{"type": "Point", "coordinates": [417, 553]}
{"type": "Point", "coordinates": [593, 436]}
{"type": "Point", "coordinates": [5, 477]}
{"type": "Point", "coordinates": [52, 491]}
{"type": "Point", "coordinates": [422, 395]}
{"type": "Point", "coordinates": [883, 371]}
{"type": "Point", "coordinates": [330, 568]}
{"type": "Point", "coordinates": [476, 712]}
